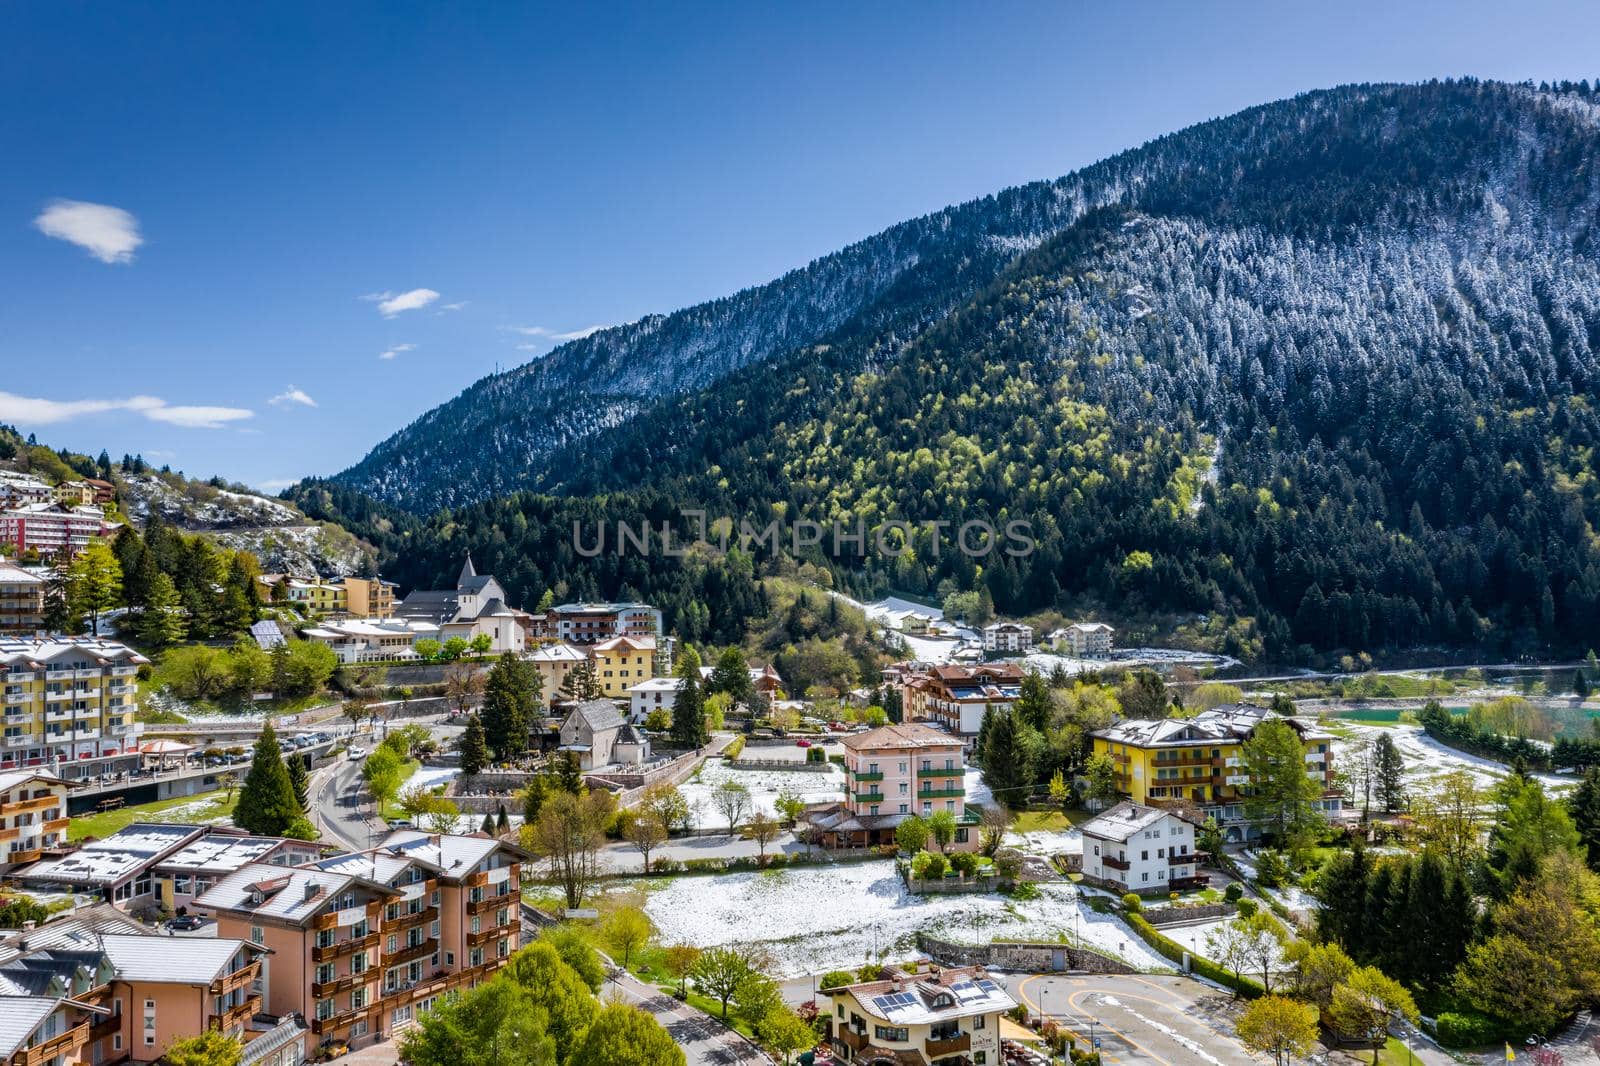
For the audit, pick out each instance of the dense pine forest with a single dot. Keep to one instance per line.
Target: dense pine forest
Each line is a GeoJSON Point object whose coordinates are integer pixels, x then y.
{"type": "Point", "coordinates": [1323, 372]}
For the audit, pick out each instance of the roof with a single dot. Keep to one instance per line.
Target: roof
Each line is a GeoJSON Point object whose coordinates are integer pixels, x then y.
{"type": "Point", "coordinates": [291, 893]}
{"type": "Point", "coordinates": [557, 653]}
{"type": "Point", "coordinates": [600, 608]}
{"type": "Point", "coordinates": [10, 779]}
{"type": "Point", "coordinates": [1017, 626]}
{"type": "Point", "coordinates": [1229, 724]}
{"type": "Point", "coordinates": [1126, 819]}
{"type": "Point", "coordinates": [634, 643]}
{"type": "Point", "coordinates": [1091, 627]}
{"type": "Point", "coordinates": [19, 1017]}
{"type": "Point", "coordinates": [596, 715]}
{"type": "Point", "coordinates": [221, 853]}
{"type": "Point", "coordinates": [23, 650]}
{"type": "Point", "coordinates": [436, 606]}
{"type": "Point", "coordinates": [903, 735]}
{"type": "Point", "coordinates": [629, 735]}
{"type": "Point", "coordinates": [105, 862]}
{"type": "Point", "coordinates": [468, 571]}
{"type": "Point", "coordinates": [454, 856]}
{"type": "Point", "coordinates": [11, 574]}
{"type": "Point", "coordinates": [658, 684]}
{"type": "Point", "coordinates": [267, 634]}
{"type": "Point", "coordinates": [906, 999]}
{"type": "Point", "coordinates": [78, 931]}
{"type": "Point", "coordinates": [141, 957]}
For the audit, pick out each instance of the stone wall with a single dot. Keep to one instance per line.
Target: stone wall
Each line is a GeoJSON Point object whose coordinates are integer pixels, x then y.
{"type": "Point", "coordinates": [1029, 958]}
{"type": "Point", "coordinates": [1199, 913]}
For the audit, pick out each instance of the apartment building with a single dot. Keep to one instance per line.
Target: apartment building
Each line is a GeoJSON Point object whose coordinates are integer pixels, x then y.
{"type": "Point", "coordinates": [96, 987]}
{"type": "Point", "coordinates": [182, 875]}
{"type": "Point", "coordinates": [1130, 848]}
{"type": "Point", "coordinates": [359, 640]}
{"type": "Point", "coordinates": [67, 699]}
{"type": "Point", "coordinates": [892, 773]}
{"type": "Point", "coordinates": [1084, 640]}
{"type": "Point", "coordinates": [363, 943]}
{"type": "Point", "coordinates": [958, 698]}
{"type": "Point", "coordinates": [940, 1015]}
{"type": "Point", "coordinates": [369, 597]}
{"type": "Point", "coordinates": [587, 623]}
{"type": "Point", "coordinates": [1199, 761]}
{"type": "Point", "coordinates": [18, 490]}
{"type": "Point", "coordinates": [33, 815]}
{"type": "Point", "coordinates": [53, 530]}
{"type": "Point", "coordinates": [1008, 637]}
{"type": "Point", "coordinates": [118, 869]}
{"type": "Point", "coordinates": [21, 599]}
{"type": "Point", "coordinates": [622, 662]}
{"type": "Point", "coordinates": [74, 493]}
{"type": "Point", "coordinates": [554, 662]}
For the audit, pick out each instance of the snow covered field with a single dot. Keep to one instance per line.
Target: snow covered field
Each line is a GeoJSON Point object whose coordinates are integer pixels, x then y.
{"type": "Point", "coordinates": [822, 918]}
{"type": "Point", "coordinates": [1426, 759]}
{"type": "Point", "coordinates": [764, 785]}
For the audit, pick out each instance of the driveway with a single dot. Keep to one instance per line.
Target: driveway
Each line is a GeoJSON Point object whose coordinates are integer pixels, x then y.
{"type": "Point", "coordinates": [704, 1040]}
{"type": "Point", "coordinates": [1148, 1021]}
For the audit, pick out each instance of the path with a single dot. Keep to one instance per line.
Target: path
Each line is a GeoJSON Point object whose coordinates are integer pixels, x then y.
{"type": "Point", "coordinates": [704, 1040]}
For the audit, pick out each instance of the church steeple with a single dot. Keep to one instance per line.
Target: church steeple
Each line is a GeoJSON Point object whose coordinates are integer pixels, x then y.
{"type": "Point", "coordinates": [467, 572]}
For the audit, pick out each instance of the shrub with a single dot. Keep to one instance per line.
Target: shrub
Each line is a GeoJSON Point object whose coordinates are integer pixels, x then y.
{"type": "Point", "coordinates": [1024, 891]}
{"type": "Point", "coordinates": [919, 865]}
{"type": "Point", "coordinates": [964, 863]}
{"type": "Point", "coordinates": [836, 979]}
{"type": "Point", "coordinates": [816, 755]}
{"type": "Point", "coordinates": [1175, 951]}
{"type": "Point", "coordinates": [936, 865]}
{"type": "Point", "coordinates": [1471, 1029]}
{"type": "Point", "coordinates": [1233, 892]}
{"type": "Point", "coordinates": [1248, 908]}
{"type": "Point", "coordinates": [870, 971]}
{"type": "Point", "coordinates": [1132, 903]}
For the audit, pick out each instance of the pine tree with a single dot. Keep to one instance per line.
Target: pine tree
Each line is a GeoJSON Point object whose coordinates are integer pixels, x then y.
{"type": "Point", "coordinates": [510, 699]}
{"type": "Point", "coordinates": [487, 828]}
{"type": "Point", "coordinates": [58, 614]}
{"type": "Point", "coordinates": [474, 749]}
{"type": "Point", "coordinates": [1390, 772]}
{"type": "Point", "coordinates": [1005, 759]}
{"type": "Point", "coordinates": [732, 675]}
{"type": "Point", "coordinates": [1033, 702]}
{"type": "Point", "coordinates": [300, 781]}
{"type": "Point", "coordinates": [267, 802]}
{"type": "Point", "coordinates": [533, 799]}
{"type": "Point", "coordinates": [1584, 804]}
{"type": "Point", "coordinates": [162, 622]}
{"type": "Point", "coordinates": [502, 820]}
{"type": "Point", "coordinates": [581, 683]}
{"type": "Point", "coordinates": [282, 675]}
{"type": "Point", "coordinates": [688, 707]}
{"type": "Point", "coordinates": [569, 775]}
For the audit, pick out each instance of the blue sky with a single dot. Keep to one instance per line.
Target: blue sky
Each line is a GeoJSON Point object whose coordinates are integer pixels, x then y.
{"type": "Point", "coordinates": [216, 219]}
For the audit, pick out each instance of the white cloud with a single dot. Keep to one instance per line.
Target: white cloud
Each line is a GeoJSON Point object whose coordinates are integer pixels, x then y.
{"type": "Point", "coordinates": [293, 395]}
{"type": "Point", "coordinates": [542, 331]}
{"type": "Point", "coordinates": [276, 484]}
{"type": "Point", "coordinates": [108, 233]}
{"type": "Point", "coordinates": [453, 307]}
{"type": "Point", "coordinates": [29, 410]}
{"type": "Point", "coordinates": [396, 350]}
{"type": "Point", "coordinates": [392, 303]}
{"type": "Point", "coordinates": [530, 347]}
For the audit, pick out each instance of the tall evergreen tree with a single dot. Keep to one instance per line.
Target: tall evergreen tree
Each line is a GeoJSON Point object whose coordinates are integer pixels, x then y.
{"type": "Point", "coordinates": [161, 622]}
{"type": "Point", "coordinates": [94, 582]}
{"type": "Point", "coordinates": [1005, 759]}
{"type": "Point", "coordinates": [1342, 890]}
{"type": "Point", "coordinates": [474, 749]}
{"type": "Point", "coordinates": [510, 701]}
{"type": "Point", "coordinates": [1584, 806]}
{"type": "Point", "coordinates": [299, 780]}
{"type": "Point", "coordinates": [267, 802]}
{"type": "Point", "coordinates": [1389, 771]}
{"type": "Point", "coordinates": [1281, 792]}
{"type": "Point", "coordinates": [1531, 827]}
{"type": "Point", "coordinates": [1033, 702]}
{"type": "Point", "coordinates": [688, 707]}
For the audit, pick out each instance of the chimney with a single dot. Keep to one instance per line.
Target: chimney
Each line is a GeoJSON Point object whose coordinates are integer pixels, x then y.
{"type": "Point", "coordinates": [311, 890]}
{"type": "Point", "coordinates": [29, 926]}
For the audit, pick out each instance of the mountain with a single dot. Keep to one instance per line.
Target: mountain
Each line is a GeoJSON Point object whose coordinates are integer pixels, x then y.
{"type": "Point", "coordinates": [1323, 373]}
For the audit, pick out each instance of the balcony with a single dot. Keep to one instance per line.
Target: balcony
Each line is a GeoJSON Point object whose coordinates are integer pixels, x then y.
{"type": "Point", "coordinates": [58, 714]}
{"type": "Point", "coordinates": [410, 954]}
{"type": "Point", "coordinates": [57, 825]}
{"type": "Point", "coordinates": [105, 1027]}
{"type": "Point", "coordinates": [14, 698]}
{"type": "Point", "coordinates": [485, 936]}
{"type": "Point", "coordinates": [1114, 862]}
{"type": "Point", "coordinates": [406, 921]}
{"type": "Point", "coordinates": [944, 771]}
{"type": "Point", "coordinates": [323, 989]}
{"type": "Point", "coordinates": [330, 919]}
{"type": "Point", "coordinates": [237, 979]}
{"type": "Point", "coordinates": [489, 903]}
{"type": "Point", "coordinates": [343, 947]}
{"type": "Point", "coordinates": [850, 1038]}
{"type": "Point", "coordinates": [950, 1045]}
{"type": "Point", "coordinates": [91, 674]}
{"type": "Point", "coordinates": [21, 740]}
{"type": "Point", "coordinates": [73, 1038]}
{"type": "Point", "coordinates": [868, 775]}
{"type": "Point", "coordinates": [941, 793]}
{"type": "Point", "coordinates": [339, 1021]}
{"type": "Point", "coordinates": [37, 803]}
{"type": "Point", "coordinates": [124, 671]}
{"type": "Point", "coordinates": [22, 675]}
{"type": "Point", "coordinates": [869, 797]}
{"type": "Point", "coordinates": [1184, 858]}
{"type": "Point", "coordinates": [121, 688]}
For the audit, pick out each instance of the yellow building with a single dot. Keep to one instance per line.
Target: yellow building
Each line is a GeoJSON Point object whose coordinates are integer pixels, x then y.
{"type": "Point", "coordinates": [70, 699]}
{"type": "Point", "coordinates": [1199, 762]}
{"type": "Point", "coordinates": [553, 663]}
{"type": "Point", "coordinates": [74, 493]}
{"type": "Point", "coordinates": [622, 662]}
{"type": "Point", "coordinates": [369, 597]}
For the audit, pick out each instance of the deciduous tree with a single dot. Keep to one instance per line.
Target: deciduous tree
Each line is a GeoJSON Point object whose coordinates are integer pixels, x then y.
{"type": "Point", "coordinates": [1278, 1026]}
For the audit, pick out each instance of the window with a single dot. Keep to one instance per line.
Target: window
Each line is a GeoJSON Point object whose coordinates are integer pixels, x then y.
{"type": "Point", "coordinates": [325, 973]}
{"type": "Point", "coordinates": [890, 1032]}
{"type": "Point", "coordinates": [359, 1029]}
{"type": "Point", "coordinates": [324, 1009]}
{"type": "Point", "coordinates": [401, 1015]}
{"type": "Point", "coordinates": [325, 937]}
{"type": "Point", "coordinates": [979, 1022]}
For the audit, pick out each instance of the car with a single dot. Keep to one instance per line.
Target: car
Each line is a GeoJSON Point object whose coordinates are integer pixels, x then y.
{"type": "Point", "coordinates": [401, 823]}
{"type": "Point", "coordinates": [186, 923]}
{"type": "Point", "coordinates": [802, 743]}
{"type": "Point", "coordinates": [358, 753]}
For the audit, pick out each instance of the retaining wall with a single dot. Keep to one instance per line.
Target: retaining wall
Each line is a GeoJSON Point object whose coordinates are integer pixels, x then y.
{"type": "Point", "coordinates": [1030, 958]}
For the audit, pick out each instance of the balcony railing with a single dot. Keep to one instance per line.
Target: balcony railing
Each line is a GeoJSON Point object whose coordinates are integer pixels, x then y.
{"type": "Point", "coordinates": [943, 771]}
{"type": "Point", "coordinates": [75, 1037]}
{"type": "Point", "coordinates": [867, 775]}
{"type": "Point", "coordinates": [484, 936]}
{"type": "Point", "coordinates": [1114, 862]}
{"type": "Point", "coordinates": [343, 947]}
{"type": "Point", "coordinates": [489, 903]}
{"type": "Point", "coordinates": [237, 979]}
{"type": "Point", "coordinates": [870, 797]}
{"type": "Point", "coordinates": [406, 921]}
{"type": "Point", "coordinates": [410, 954]}
{"type": "Point", "coordinates": [237, 1016]}
{"type": "Point", "coordinates": [950, 1045]}
{"type": "Point", "coordinates": [37, 803]}
{"type": "Point", "coordinates": [941, 793]}
{"type": "Point", "coordinates": [339, 1021]}
{"type": "Point", "coordinates": [850, 1038]}
{"type": "Point", "coordinates": [1184, 858]}
{"type": "Point", "coordinates": [323, 989]}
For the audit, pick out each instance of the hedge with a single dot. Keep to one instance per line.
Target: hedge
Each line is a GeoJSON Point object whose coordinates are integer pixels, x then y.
{"type": "Point", "coordinates": [1201, 965]}
{"type": "Point", "coordinates": [734, 750]}
{"type": "Point", "coordinates": [1470, 1029]}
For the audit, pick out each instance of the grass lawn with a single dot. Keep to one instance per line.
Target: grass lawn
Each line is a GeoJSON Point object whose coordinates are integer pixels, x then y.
{"type": "Point", "coordinates": [391, 809]}
{"type": "Point", "coordinates": [203, 808]}
{"type": "Point", "coordinates": [1394, 1053]}
{"type": "Point", "coordinates": [1049, 821]}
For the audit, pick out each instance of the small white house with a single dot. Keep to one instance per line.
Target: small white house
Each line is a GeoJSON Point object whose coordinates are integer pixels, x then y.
{"type": "Point", "coordinates": [1008, 636]}
{"type": "Point", "coordinates": [1133, 848]}
{"type": "Point", "coordinates": [652, 694]}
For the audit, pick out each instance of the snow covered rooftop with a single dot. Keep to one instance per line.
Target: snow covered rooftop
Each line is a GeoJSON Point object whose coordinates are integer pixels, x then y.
{"type": "Point", "coordinates": [108, 861]}
{"type": "Point", "coordinates": [928, 998]}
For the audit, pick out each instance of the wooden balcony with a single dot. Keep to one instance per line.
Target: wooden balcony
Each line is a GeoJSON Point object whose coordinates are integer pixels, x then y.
{"type": "Point", "coordinates": [485, 936]}
{"type": "Point", "coordinates": [1186, 858]}
{"type": "Point", "coordinates": [30, 855]}
{"type": "Point", "coordinates": [237, 1016]}
{"type": "Point", "coordinates": [850, 1038]}
{"type": "Point", "coordinates": [244, 975]}
{"type": "Point", "coordinates": [410, 954]}
{"type": "Point", "coordinates": [322, 990]}
{"type": "Point", "coordinates": [58, 825]}
{"type": "Point", "coordinates": [1114, 862]}
{"type": "Point", "coordinates": [330, 919]}
{"type": "Point", "coordinates": [37, 804]}
{"type": "Point", "coordinates": [72, 1039]}
{"type": "Point", "coordinates": [340, 1021]}
{"type": "Point", "coordinates": [489, 903]}
{"type": "Point", "coordinates": [952, 1045]}
{"type": "Point", "coordinates": [343, 947]}
{"type": "Point", "coordinates": [105, 1027]}
{"type": "Point", "coordinates": [402, 922]}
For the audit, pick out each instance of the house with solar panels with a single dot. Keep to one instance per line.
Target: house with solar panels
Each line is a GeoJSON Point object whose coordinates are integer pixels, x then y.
{"type": "Point", "coordinates": [941, 1016]}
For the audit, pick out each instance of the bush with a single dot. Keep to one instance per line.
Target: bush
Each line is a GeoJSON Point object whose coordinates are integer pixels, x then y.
{"type": "Point", "coordinates": [1471, 1029]}
{"type": "Point", "coordinates": [1024, 891]}
{"type": "Point", "coordinates": [836, 979]}
{"type": "Point", "coordinates": [1132, 903]}
{"type": "Point", "coordinates": [1233, 892]}
{"type": "Point", "coordinates": [816, 755]}
{"type": "Point", "coordinates": [1248, 908]}
{"type": "Point", "coordinates": [964, 863]}
{"type": "Point", "coordinates": [936, 865]}
{"type": "Point", "coordinates": [734, 750]}
{"type": "Point", "coordinates": [870, 971]}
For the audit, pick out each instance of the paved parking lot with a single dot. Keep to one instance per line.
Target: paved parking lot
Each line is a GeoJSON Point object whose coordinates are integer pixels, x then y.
{"type": "Point", "coordinates": [1139, 1020]}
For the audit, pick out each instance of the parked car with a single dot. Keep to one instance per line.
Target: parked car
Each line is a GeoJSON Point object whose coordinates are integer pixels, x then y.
{"type": "Point", "coordinates": [186, 923]}
{"type": "Point", "coordinates": [802, 743]}
{"type": "Point", "coordinates": [401, 823]}
{"type": "Point", "coordinates": [358, 753]}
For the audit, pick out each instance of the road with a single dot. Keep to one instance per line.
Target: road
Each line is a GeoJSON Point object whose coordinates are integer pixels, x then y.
{"type": "Point", "coordinates": [705, 1041]}
{"type": "Point", "coordinates": [340, 804]}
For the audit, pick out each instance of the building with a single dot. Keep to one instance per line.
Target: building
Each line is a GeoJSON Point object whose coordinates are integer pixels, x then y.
{"type": "Point", "coordinates": [654, 694]}
{"type": "Point", "coordinates": [938, 1015]}
{"type": "Point", "coordinates": [53, 530]}
{"type": "Point", "coordinates": [892, 773]}
{"type": "Point", "coordinates": [18, 490]}
{"type": "Point", "coordinates": [359, 640]}
{"type": "Point", "coordinates": [554, 662]}
{"type": "Point", "coordinates": [1130, 848]}
{"type": "Point", "coordinates": [588, 623]}
{"type": "Point", "coordinates": [118, 869]}
{"type": "Point", "coordinates": [597, 733]}
{"type": "Point", "coordinates": [1084, 640]}
{"type": "Point", "coordinates": [33, 815]}
{"type": "Point", "coordinates": [1199, 762]}
{"type": "Point", "coordinates": [369, 597]}
{"type": "Point", "coordinates": [21, 599]}
{"type": "Point", "coordinates": [103, 491]}
{"type": "Point", "coordinates": [1008, 637]}
{"type": "Point", "coordinates": [180, 876]}
{"type": "Point", "coordinates": [74, 494]}
{"type": "Point", "coordinates": [763, 679]}
{"type": "Point", "coordinates": [363, 943]}
{"type": "Point", "coordinates": [959, 697]}
{"type": "Point", "coordinates": [622, 662]}
{"type": "Point", "coordinates": [476, 605]}
{"type": "Point", "coordinates": [68, 702]}
{"type": "Point", "coordinates": [96, 987]}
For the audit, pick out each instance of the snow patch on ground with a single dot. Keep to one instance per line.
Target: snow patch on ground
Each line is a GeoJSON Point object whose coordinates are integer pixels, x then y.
{"type": "Point", "coordinates": [822, 918]}
{"type": "Point", "coordinates": [812, 786]}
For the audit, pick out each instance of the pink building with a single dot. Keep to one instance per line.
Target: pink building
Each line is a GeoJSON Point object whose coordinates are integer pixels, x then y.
{"type": "Point", "coordinates": [892, 773]}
